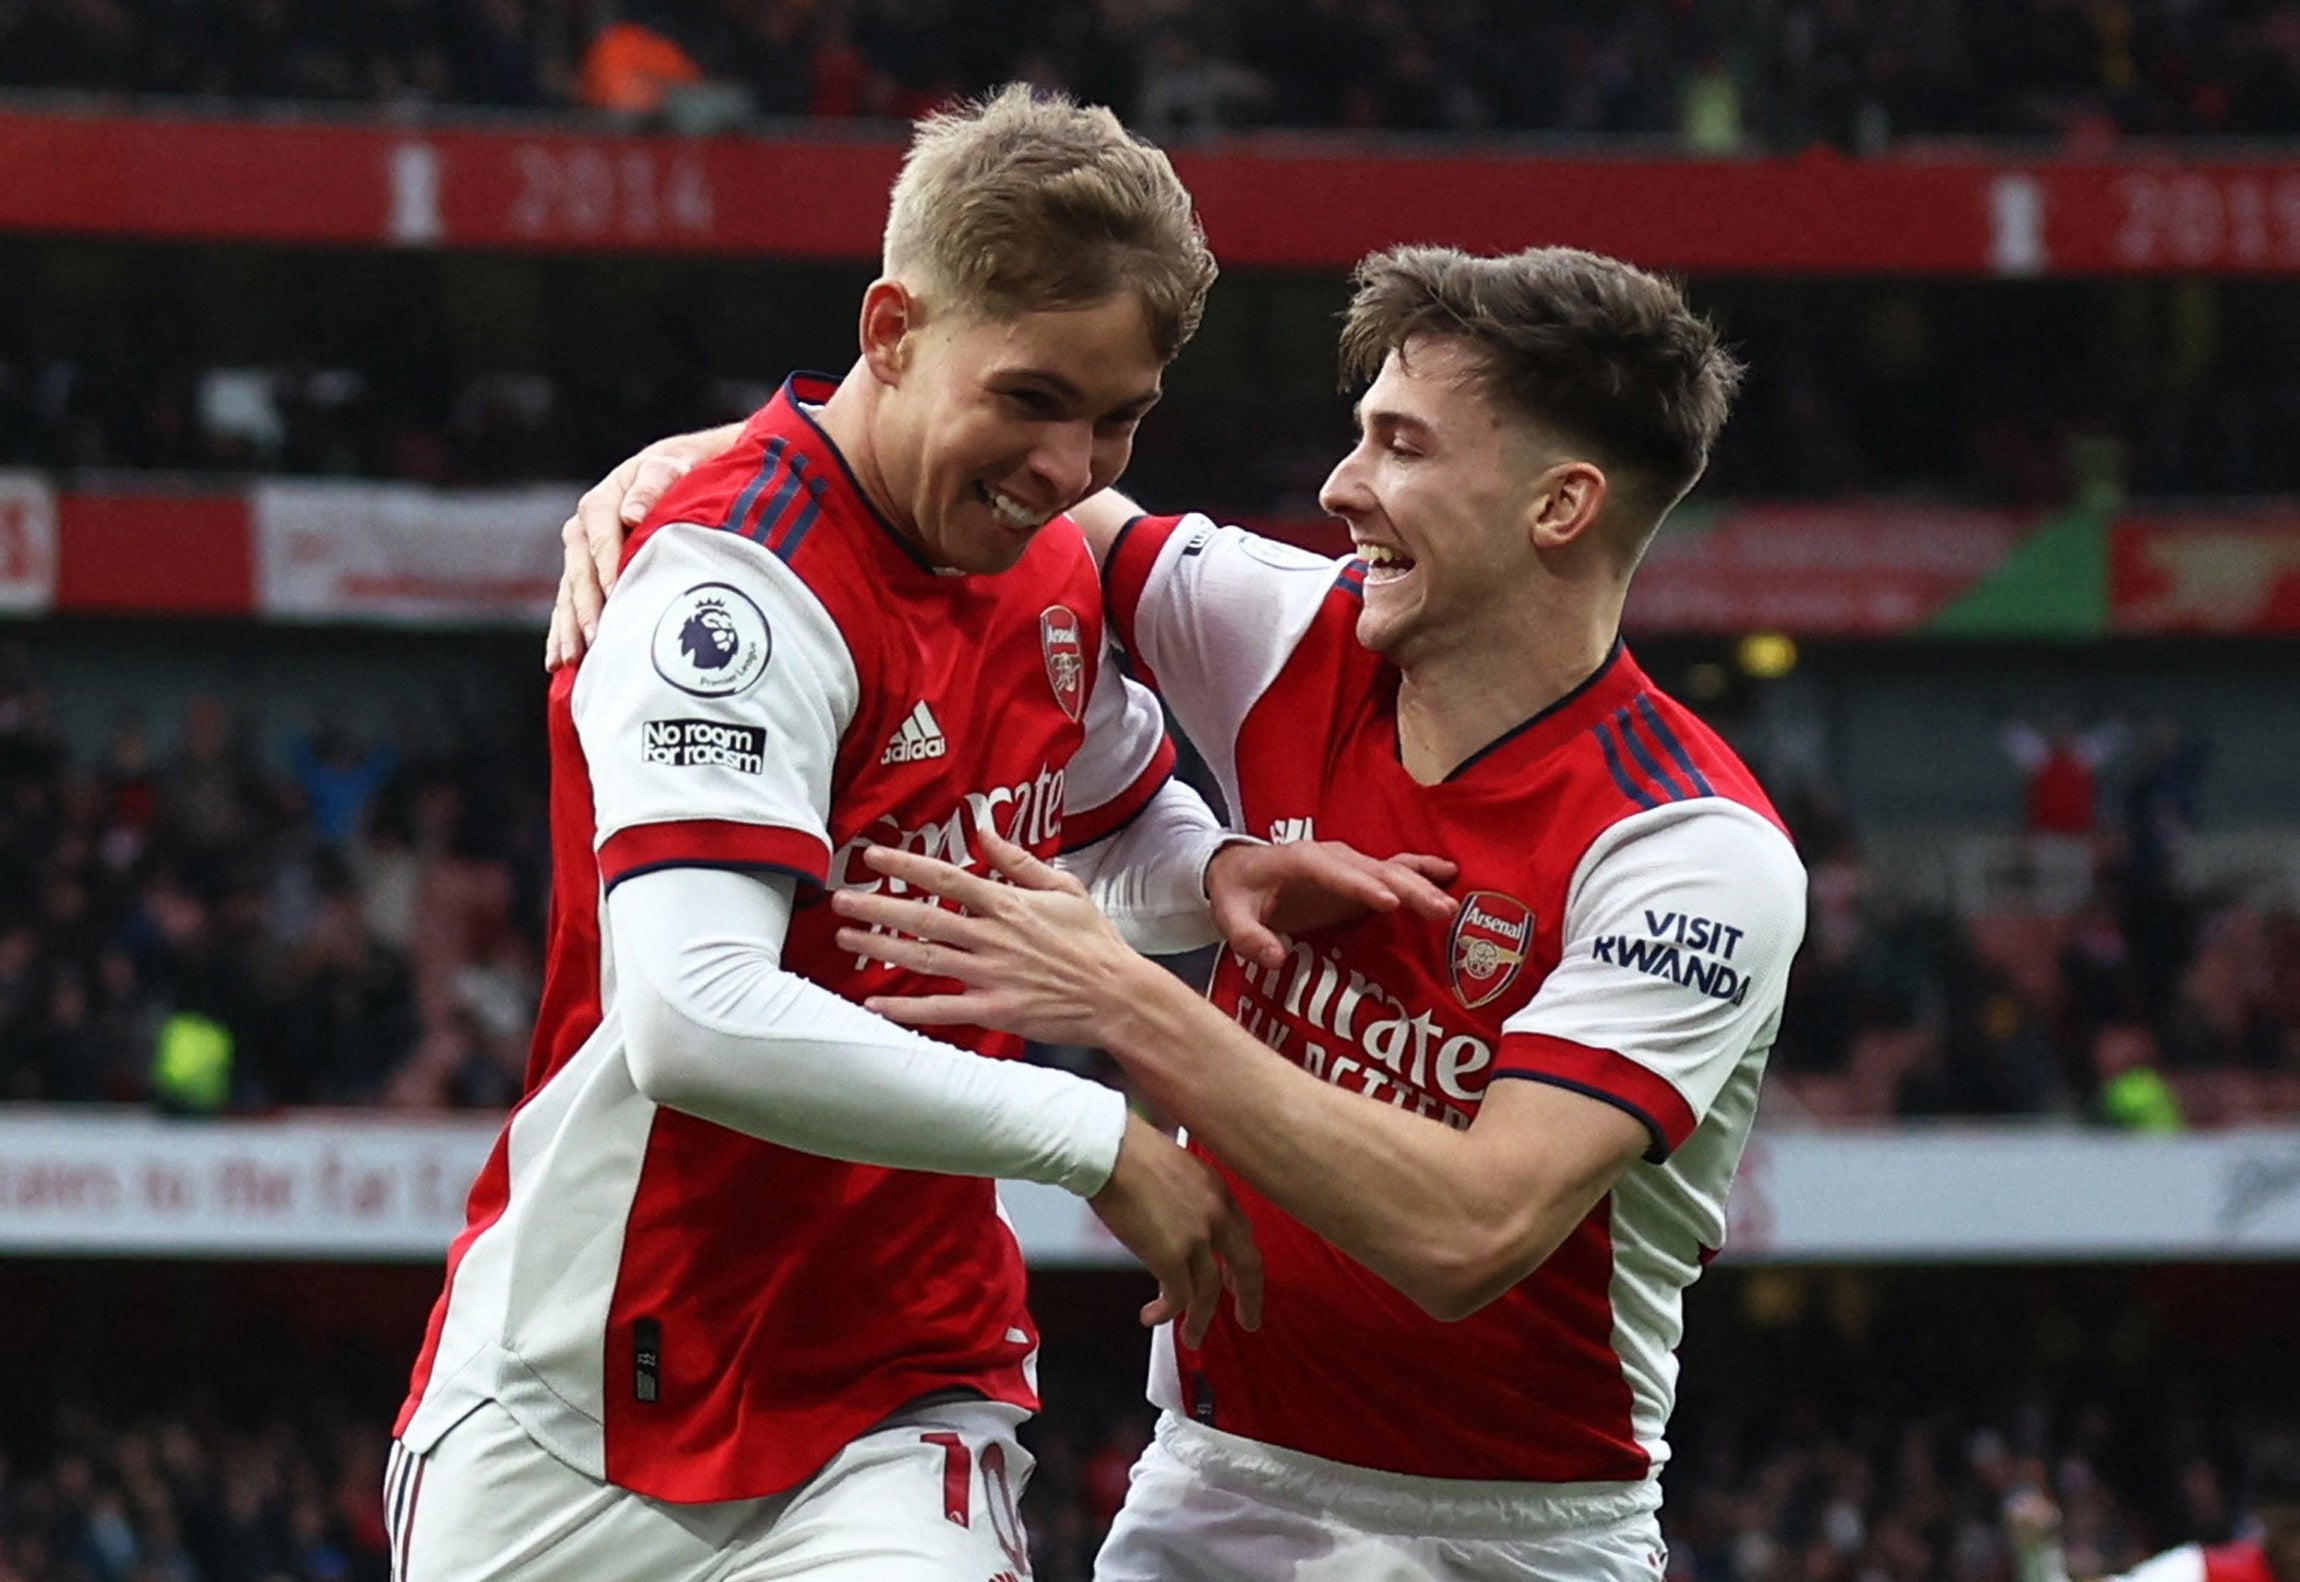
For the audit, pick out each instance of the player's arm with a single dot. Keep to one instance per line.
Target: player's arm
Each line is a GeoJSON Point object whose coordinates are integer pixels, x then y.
{"type": "Point", "coordinates": [1617, 1063]}
{"type": "Point", "coordinates": [716, 1028]}
{"type": "Point", "coordinates": [1171, 877]}
{"type": "Point", "coordinates": [1102, 517]}
{"type": "Point", "coordinates": [713, 1027]}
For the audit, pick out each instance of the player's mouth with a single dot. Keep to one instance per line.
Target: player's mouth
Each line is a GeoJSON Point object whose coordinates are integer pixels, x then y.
{"type": "Point", "coordinates": [1384, 562]}
{"type": "Point", "coordinates": [1010, 513]}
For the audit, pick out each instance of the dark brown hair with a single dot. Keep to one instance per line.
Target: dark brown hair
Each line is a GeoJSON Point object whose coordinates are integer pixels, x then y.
{"type": "Point", "coordinates": [1598, 352]}
{"type": "Point", "coordinates": [1025, 201]}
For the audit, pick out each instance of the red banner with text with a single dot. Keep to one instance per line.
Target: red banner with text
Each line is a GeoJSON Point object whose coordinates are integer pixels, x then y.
{"type": "Point", "coordinates": [1269, 201]}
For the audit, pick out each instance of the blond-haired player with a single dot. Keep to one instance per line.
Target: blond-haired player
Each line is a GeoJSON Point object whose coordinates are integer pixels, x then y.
{"type": "Point", "coordinates": [735, 1298]}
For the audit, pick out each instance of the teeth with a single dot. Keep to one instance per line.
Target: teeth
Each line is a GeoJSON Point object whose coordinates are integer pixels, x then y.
{"type": "Point", "coordinates": [1009, 512]}
{"type": "Point", "coordinates": [1381, 555]}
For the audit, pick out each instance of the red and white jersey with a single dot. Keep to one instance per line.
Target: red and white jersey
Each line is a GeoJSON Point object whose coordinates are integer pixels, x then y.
{"type": "Point", "coordinates": [2242, 1561]}
{"type": "Point", "coordinates": [682, 1310]}
{"type": "Point", "coordinates": [1629, 907]}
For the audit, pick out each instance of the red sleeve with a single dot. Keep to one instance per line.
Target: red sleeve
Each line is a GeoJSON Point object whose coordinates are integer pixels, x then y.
{"type": "Point", "coordinates": [1126, 573]}
{"type": "Point", "coordinates": [1095, 823]}
{"type": "Point", "coordinates": [1601, 1074]}
{"type": "Point", "coordinates": [713, 843]}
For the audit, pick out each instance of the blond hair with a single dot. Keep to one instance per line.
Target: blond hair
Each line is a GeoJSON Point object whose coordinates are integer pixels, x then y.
{"type": "Point", "coordinates": [1025, 201]}
{"type": "Point", "coordinates": [1596, 352]}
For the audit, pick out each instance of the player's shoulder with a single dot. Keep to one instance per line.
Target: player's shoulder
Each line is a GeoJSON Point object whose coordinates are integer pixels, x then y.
{"type": "Point", "coordinates": [1270, 589]}
{"type": "Point", "coordinates": [1194, 538]}
{"type": "Point", "coordinates": [1647, 751]}
{"type": "Point", "coordinates": [1059, 560]}
{"type": "Point", "coordinates": [765, 489]}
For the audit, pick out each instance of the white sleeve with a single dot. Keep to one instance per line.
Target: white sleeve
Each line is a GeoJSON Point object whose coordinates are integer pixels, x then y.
{"type": "Point", "coordinates": [1149, 879]}
{"type": "Point", "coordinates": [1679, 928]}
{"type": "Point", "coordinates": [2185, 1564]}
{"type": "Point", "coordinates": [710, 711]}
{"type": "Point", "coordinates": [715, 1028]}
{"type": "Point", "coordinates": [1211, 615]}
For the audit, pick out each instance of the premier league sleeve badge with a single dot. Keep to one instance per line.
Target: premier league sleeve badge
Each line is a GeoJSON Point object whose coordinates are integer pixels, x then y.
{"type": "Point", "coordinates": [712, 642]}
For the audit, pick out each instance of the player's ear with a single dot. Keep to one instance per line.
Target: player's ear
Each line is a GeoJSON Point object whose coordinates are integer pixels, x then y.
{"type": "Point", "coordinates": [1568, 497]}
{"type": "Point", "coordinates": [891, 317]}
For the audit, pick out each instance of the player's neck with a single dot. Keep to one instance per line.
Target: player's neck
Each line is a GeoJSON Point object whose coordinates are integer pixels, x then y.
{"type": "Point", "coordinates": [1458, 697]}
{"type": "Point", "coordinates": [846, 421]}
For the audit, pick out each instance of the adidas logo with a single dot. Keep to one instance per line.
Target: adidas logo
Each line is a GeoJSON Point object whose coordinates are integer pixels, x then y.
{"type": "Point", "coordinates": [920, 737]}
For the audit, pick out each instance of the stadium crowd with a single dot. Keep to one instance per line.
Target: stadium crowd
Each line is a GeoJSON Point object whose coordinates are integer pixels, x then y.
{"type": "Point", "coordinates": [1818, 421]}
{"type": "Point", "coordinates": [1797, 1458]}
{"type": "Point", "coordinates": [199, 931]}
{"type": "Point", "coordinates": [2105, 986]}
{"type": "Point", "coordinates": [204, 926]}
{"type": "Point", "coordinates": [1718, 76]}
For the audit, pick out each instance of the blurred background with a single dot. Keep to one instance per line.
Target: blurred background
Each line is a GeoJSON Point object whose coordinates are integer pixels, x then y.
{"type": "Point", "coordinates": [314, 318]}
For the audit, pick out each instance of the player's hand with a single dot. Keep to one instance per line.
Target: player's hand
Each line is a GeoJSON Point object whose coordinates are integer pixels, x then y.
{"type": "Point", "coordinates": [1259, 892]}
{"type": "Point", "coordinates": [1174, 1214]}
{"type": "Point", "coordinates": [591, 541]}
{"type": "Point", "coordinates": [1033, 956]}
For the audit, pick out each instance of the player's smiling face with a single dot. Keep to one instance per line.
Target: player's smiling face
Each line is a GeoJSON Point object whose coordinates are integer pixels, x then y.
{"type": "Point", "coordinates": [995, 426]}
{"type": "Point", "coordinates": [1435, 495]}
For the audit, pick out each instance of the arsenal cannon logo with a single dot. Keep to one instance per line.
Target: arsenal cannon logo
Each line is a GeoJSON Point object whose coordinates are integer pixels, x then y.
{"type": "Point", "coordinates": [1492, 934]}
{"type": "Point", "coordinates": [1065, 657]}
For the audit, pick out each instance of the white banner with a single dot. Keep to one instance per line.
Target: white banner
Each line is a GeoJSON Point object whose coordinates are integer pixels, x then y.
{"type": "Point", "coordinates": [334, 551]}
{"type": "Point", "coordinates": [352, 1185]}
{"type": "Point", "coordinates": [316, 1186]}
{"type": "Point", "coordinates": [2016, 1193]}
{"type": "Point", "coordinates": [27, 544]}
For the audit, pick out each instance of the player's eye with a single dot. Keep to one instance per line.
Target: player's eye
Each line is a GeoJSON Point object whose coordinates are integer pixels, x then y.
{"type": "Point", "coordinates": [1037, 404]}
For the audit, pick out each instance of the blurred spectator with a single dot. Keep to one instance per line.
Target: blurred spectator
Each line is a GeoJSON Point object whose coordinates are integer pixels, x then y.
{"type": "Point", "coordinates": [2134, 1095]}
{"type": "Point", "coordinates": [630, 68]}
{"type": "Point", "coordinates": [2163, 803]}
{"type": "Point", "coordinates": [2060, 805]}
{"type": "Point", "coordinates": [339, 782]}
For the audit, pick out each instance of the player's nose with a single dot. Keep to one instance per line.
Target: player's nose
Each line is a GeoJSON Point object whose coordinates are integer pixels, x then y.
{"type": "Point", "coordinates": [1345, 493]}
{"type": "Point", "coordinates": [1063, 461]}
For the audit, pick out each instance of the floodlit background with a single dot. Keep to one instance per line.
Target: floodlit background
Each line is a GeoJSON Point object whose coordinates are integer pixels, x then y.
{"type": "Point", "coordinates": [314, 318]}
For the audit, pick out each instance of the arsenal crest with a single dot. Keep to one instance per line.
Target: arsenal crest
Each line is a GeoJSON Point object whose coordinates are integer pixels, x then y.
{"type": "Point", "coordinates": [1492, 934]}
{"type": "Point", "coordinates": [1065, 657]}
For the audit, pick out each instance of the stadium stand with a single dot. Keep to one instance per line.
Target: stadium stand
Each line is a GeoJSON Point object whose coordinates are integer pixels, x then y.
{"type": "Point", "coordinates": [1721, 77]}
{"type": "Point", "coordinates": [1798, 1456]}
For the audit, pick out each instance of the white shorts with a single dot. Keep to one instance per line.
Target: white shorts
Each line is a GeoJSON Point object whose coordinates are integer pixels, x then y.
{"type": "Point", "coordinates": [1205, 1506]}
{"type": "Point", "coordinates": [929, 1495]}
